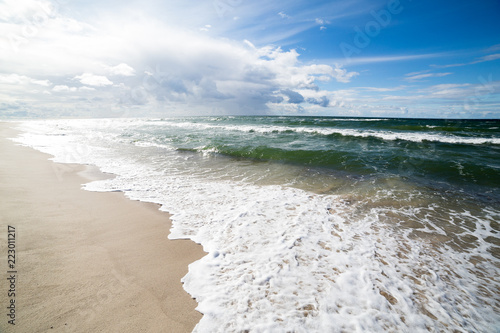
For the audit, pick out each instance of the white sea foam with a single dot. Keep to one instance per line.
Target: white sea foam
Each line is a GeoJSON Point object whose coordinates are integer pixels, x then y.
{"type": "Point", "coordinates": [282, 259]}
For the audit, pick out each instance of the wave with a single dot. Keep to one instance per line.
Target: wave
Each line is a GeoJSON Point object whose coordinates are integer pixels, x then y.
{"type": "Point", "coordinates": [379, 134]}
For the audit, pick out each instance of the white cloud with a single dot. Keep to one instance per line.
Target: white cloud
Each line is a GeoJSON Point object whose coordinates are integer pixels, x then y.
{"type": "Point", "coordinates": [463, 91]}
{"type": "Point", "coordinates": [64, 88]}
{"type": "Point", "coordinates": [446, 86]}
{"type": "Point", "coordinates": [206, 27]}
{"type": "Point", "coordinates": [380, 89]}
{"type": "Point", "coordinates": [342, 75]}
{"type": "Point", "coordinates": [283, 15]}
{"type": "Point", "coordinates": [489, 57]}
{"type": "Point", "coordinates": [12, 78]}
{"type": "Point", "coordinates": [22, 80]}
{"type": "Point", "coordinates": [85, 88]}
{"type": "Point", "coordinates": [44, 83]}
{"type": "Point", "coordinates": [121, 69]}
{"type": "Point", "coordinates": [93, 80]}
{"type": "Point", "coordinates": [418, 72]}
{"type": "Point", "coordinates": [384, 58]}
{"type": "Point", "coordinates": [416, 77]}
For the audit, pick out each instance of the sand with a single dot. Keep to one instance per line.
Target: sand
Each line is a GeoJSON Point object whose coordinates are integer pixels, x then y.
{"type": "Point", "coordinates": [86, 261]}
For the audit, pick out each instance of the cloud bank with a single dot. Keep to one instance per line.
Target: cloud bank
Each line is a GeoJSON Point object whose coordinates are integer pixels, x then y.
{"type": "Point", "coordinates": [132, 62]}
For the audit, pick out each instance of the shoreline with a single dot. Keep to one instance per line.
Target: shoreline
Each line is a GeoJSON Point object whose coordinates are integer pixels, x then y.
{"type": "Point", "coordinates": [87, 261]}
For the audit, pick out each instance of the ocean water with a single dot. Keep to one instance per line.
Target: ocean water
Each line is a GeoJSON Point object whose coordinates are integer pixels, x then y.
{"type": "Point", "coordinates": [314, 224]}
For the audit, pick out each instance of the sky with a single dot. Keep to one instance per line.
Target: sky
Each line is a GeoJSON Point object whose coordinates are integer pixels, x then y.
{"type": "Point", "coordinates": [363, 58]}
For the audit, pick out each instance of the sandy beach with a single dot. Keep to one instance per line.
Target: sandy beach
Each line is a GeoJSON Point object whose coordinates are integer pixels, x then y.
{"type": "Point", "coordinates": [86, 261]}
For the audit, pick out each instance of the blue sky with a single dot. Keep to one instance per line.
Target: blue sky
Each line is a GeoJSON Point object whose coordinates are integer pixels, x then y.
{"type": "Point", "coordinates": [396, 58]}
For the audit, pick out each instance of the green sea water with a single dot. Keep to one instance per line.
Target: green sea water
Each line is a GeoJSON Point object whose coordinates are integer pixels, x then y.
{"type": "Point", "coordinates": [462, 155]}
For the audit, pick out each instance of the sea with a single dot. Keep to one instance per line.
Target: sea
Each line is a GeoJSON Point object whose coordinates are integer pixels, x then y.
{"type": "Point", "coordinates": [313, 224]}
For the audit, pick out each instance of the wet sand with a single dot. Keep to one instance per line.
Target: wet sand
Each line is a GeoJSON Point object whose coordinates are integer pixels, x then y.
{"type": "Point", "coordinates": [86, 261]}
